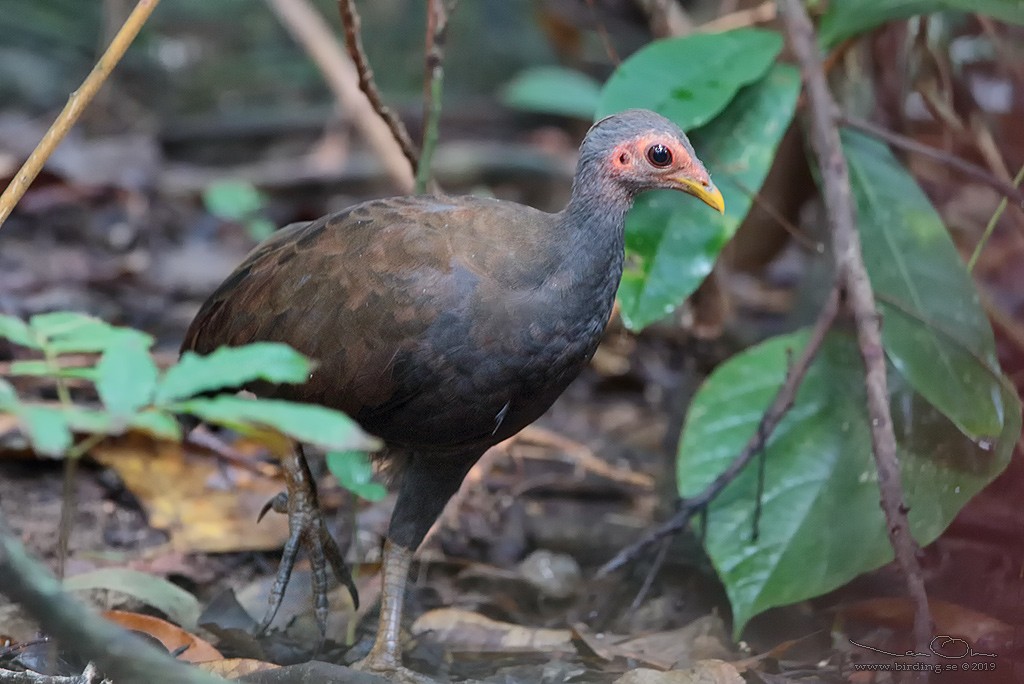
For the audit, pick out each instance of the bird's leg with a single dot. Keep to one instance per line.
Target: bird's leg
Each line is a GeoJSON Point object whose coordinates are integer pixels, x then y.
{"type": "Point", "coordinates": [427, 485]}
{"type": "Point", "coordinates": [386, 653]}
{"type": "Point", "coordinates": [306, 529]}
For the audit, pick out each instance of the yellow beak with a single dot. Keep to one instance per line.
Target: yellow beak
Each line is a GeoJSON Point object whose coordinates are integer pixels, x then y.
{"type": "Point", "coordinates": [709, 194]}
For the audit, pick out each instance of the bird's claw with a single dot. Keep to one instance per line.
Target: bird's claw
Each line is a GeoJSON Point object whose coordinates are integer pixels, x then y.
{"type": "Point", "coordinates": [306, 529]}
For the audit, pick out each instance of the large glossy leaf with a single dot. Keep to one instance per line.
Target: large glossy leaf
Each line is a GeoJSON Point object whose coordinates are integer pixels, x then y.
{"type": "Point", "coordinates": [672, 240]}
{"type": "Point", "coordinates": [933, 329]}
{"type": "Point", "coordinates": [690, 79]}
{"type": "Point", "coordinates": [847, 18]}
{"type": "Point", "coordinates": [821, 524]}
{"type": "Point", "coordinates": [553, 90]}
{"type": "Point", "coordinates": [126, 376]}
{"type": "Point", "coordinates": [232, 367]}
{"type": "Point", "coordinates": [306, 423]}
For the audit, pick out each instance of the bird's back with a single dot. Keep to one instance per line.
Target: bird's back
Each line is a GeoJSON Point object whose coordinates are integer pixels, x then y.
{"type": "Point", "coordinates": [435, 321]}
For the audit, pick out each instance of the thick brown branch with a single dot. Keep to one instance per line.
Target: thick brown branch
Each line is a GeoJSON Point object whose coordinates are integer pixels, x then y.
{"type": "Point", "coordinates": [782, 402]}
{"type": "Point", "coordinates": [354, 41]}
{"type": "Point", "coordinates": [827, 147]}
{"type": "Point", "coordinates": [965, 167]}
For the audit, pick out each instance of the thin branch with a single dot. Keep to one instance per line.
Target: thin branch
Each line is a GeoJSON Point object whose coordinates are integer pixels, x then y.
{"type": "Point", "coordinates": [978, 173]}
{"type": "Point", "coordinates": [433, 86]}
{"type": "Point", "coordinates": [88, 676]}
{"type": "Point", "coordinates": [759, 14]}
{"type": "Point", "coordinates": [827, 147]}
{"type": "Point", "coordinates": [120, 655]}
{"type": "Point", "coordinates": [308, 27]}
{"type": "Point", "coordinates": [354, 42]}
{"type": "Point", "coordinates": [991, 225]}
{"type": "Point", "coordinates": [782, 402]}
{"type": "Point", "coordinates": [77, 103]}
{"type": "Point", "coordinates": [602, 31]}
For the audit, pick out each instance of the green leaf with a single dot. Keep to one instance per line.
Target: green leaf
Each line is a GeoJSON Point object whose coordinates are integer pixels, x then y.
{"type": "Point", "coordinates": [820, 472]}
{"type": "Point", "coordinates": [690, 79]}
{"type": "Point", "coordinates": [308, 423]}
{"type": "Point", "coordinates": [232, 200]}
{"type": "Point", "coordinates": [672, 240]}
{"type": "Point", "coordinates": [46, 428]}
{"type": "Point", "coordinates": [70, 331]}
{"type": "Point", "coordinates": [233, 367]}
{"type": "Point", "coordinates": [847, 18]}
{"type": "Point", "coordinates": [933, 328]}
{"type": "Point", "coordinates": [553, 90]}
{"type": "Point", "coordinates": [354, 472]}
{"type": "Point", "coordinates": [157, 423]}
{"type": "Point", "coordinates": [126, 375]}
{"type": "Point", "coordinates": [37, 368]}
{"type": "Point", "coordinates": [180, 607]}
{"type": "Point", "coordinates": [8, 397]}
{"type": "Point", "coordinates": [15, 330]}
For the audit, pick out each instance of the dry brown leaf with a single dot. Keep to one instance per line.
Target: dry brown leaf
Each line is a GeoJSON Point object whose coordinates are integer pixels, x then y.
{"type": "Point", "coordinates": [464, 630]}
{"type": "Point", "coordinates": [951, 619]}
{"type": "Point", "coordinates": [172, 637]}
{"type": "Point", "coordinates": [234, 668]}
{"type": "Point", "coordinates": [205, 504]}
{"type": "Point", "coordinates": [702, 672]}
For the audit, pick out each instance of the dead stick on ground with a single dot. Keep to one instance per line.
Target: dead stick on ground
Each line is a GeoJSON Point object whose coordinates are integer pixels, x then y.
{"type": "Point", "coordinates": [433, 86]}
{"type": "Point", "coordinates": [827, 147]}
{"type": "Point", "coordinates": [77, 103]}
{"type": "Point", "coordinates": [119, 654]}
{"type": "Point", "coordinates": [782, 402]}
{"type": "Point", "coordinates": [354, 41]}
{"type": "Point", "coordinates": [311, 31]}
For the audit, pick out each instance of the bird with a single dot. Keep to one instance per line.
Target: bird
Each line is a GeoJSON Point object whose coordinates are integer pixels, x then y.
{"type": "Point", "coordinates": [443, 325]}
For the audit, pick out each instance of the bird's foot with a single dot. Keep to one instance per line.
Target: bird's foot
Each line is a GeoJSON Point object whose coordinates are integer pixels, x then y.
{"type": "Point", "coordinates": [389, 667]}
{"type": "Point", "coordinates": [307, 530]}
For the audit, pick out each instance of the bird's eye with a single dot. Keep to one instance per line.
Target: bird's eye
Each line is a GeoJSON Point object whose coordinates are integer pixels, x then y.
{"type": "Point", "coordinates": [659, 155]}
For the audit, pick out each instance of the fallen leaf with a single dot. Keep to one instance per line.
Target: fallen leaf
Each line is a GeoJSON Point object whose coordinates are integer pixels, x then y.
{"type": "Point", "coordinates": [951, 619]}
{"type": "Point", "coordinates": [203, 503]}
{"type": "Point", "coordinates": [467, 631]}
{"type": "Point", "coordinates": [173, 638]}
{"type": "Point", "coordinates": [234, 668]}
{"type": "Point", "coordinates": [156, 592]}
{"type": "Point", "coordinates": [702, 672]}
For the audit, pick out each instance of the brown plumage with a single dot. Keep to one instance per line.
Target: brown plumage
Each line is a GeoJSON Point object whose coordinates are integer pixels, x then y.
{"type": "Point", "coordinates": [444, 325]}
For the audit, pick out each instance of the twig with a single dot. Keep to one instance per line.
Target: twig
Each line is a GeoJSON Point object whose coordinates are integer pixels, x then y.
{"type": "Point", "coordinates": [354, 42]}
{"type": "Point", "coordinates": [666, 18]}
{"type": "Point", "coordinates": [310, 30]}
{"type": "Point", "coordinates": [827, 147]}
{"type": "Point", "coordinates": [978, 173]}
{"type": "Point", "coordinates": [759, 14]}
{"type": "Point", "coordinates": [602, 31]}
{"type": "Point", "coordinates": [782, 402]}
{"type": "Point", "coordinates": [77, 103]}
{"type": "Point", "coordinates": [88, 676]}
{"type": "Point", "coordinates": [117, 653]}
{"type": "Point", "coordinates": [433, 86]}
{"type": "Point", "coordinates": [991, 225]}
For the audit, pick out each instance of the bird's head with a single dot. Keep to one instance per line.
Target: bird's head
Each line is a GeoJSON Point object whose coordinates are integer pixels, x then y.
{"type": "Point", "coordinates": [639, 150]}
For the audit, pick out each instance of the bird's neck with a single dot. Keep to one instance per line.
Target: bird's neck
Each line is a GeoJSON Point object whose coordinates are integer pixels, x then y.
{"type": "Point", "coordinates": [592, 226]}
